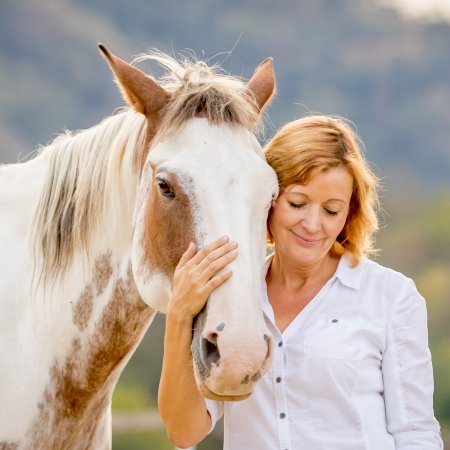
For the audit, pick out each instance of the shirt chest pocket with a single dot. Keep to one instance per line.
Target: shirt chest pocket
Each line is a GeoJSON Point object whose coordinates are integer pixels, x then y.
{"type": "Point", "coordinates": [333, 338]}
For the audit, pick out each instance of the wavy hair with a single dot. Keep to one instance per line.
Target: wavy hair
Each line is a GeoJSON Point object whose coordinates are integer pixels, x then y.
{"type": "Point", "coordinates": [312, 144]}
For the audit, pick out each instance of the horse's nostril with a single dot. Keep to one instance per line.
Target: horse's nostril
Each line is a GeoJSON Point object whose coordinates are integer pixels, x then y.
{"type": "Point", "coordinates": [209, 350]}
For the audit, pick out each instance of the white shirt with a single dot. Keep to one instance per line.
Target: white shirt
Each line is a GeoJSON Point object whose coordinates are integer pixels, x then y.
{"type": "Point", "coordinates": [351, 372]}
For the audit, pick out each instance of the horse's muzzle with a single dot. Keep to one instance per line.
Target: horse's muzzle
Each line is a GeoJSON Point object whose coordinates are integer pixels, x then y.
{"type": "Point", "coordinates": [229, 361]}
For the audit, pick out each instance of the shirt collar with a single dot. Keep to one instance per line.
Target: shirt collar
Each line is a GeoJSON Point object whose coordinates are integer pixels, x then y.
{"type": "Point", "coordinates": [347, 275]}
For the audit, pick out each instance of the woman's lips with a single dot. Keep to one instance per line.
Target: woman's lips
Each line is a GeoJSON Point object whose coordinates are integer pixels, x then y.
{"type": "Point", "coordinates": [306, 241]}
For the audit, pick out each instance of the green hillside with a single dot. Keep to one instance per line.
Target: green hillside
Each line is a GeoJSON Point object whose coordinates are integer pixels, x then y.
{"type": "Point", "coordinates": [356, 59]}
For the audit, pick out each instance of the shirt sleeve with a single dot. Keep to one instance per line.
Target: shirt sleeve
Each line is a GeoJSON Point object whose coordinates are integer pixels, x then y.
{"type": "Point", "coordinates": [408, 375]}
{"type": "Point", "coordinates": [215, 409]}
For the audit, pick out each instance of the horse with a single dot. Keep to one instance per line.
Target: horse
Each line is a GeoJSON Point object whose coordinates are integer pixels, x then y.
{"type": "Point", "coordinates": [92, 228]}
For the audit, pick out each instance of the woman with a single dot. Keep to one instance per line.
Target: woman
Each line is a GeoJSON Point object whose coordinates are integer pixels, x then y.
{"type": "Point", "coordinates": [351, 368]}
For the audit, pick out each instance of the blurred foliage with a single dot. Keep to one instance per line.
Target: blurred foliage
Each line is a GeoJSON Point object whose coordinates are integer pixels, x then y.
{"type": "Point", "coordinates": [155, 441]}
{"type": "Point", "coordinates": [132, 396]}
{"type": "Point", "coordinates": [141, 441]}
{"type": "Point", "coordinates": [417, 234]}
{"type": "Point", "coordinates": [417, 242]}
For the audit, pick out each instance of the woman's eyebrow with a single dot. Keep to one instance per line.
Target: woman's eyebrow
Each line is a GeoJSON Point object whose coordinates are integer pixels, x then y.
{"type": "Point", "coordinates": [341, 200]}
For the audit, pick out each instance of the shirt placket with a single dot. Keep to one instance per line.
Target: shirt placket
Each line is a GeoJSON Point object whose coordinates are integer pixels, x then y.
{"type": "Point", "coordinates": [279, 370]}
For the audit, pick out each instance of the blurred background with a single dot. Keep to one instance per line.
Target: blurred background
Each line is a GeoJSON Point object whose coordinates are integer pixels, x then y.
{"type": "Point", "coordinates": [383, 64]}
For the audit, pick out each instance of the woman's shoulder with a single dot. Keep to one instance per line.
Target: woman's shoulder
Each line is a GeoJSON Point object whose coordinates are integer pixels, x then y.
{"type": "Point", "coordinates": [368, 270]}
{"type": "Point", "coordinates": [374, 269]}
{"type": "Point", "coordinates": [388, 282]}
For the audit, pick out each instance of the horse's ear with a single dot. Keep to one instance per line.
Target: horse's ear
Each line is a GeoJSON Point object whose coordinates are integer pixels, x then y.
{"type": "Point", "coordinates": [138, 89]}
{"type": "Point", "coordinates": [262, 84]}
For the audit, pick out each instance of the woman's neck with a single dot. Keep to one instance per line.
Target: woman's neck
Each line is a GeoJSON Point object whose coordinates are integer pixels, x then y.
{"type": "Point", "coordinates": [294, 276]}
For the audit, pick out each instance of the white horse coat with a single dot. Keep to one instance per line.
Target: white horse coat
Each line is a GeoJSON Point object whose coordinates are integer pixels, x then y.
{"type": "Point", "coordinates": [91, 230]}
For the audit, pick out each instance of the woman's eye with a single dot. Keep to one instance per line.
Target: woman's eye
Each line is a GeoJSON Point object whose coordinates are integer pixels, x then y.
{"type": "Point", "coordinates": [296, 205]}
{"type": "Point", "coordinates": [331, 212]}
{"type": "Point", "coordinates": [165, 188]}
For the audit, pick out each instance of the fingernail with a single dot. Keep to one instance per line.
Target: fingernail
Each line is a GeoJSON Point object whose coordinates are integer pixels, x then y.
{"type": "Point", "coordinates": [224, 238]}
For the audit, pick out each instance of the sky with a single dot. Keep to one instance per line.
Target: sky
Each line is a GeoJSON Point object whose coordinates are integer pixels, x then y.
{"type": "Point", "coordinates": [428, 9]}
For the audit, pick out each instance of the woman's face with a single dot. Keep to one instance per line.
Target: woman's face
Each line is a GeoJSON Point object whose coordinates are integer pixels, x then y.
{"type": "Point", "coordinates": [306, 220]}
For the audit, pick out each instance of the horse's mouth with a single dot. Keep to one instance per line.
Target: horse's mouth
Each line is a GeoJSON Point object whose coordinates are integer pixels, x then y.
{"type": "Point", "coordinates": [207, 393]}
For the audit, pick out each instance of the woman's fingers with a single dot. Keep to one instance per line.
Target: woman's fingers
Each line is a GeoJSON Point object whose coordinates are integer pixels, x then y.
{"type": "Point", "coordinates": [217, 260]}
{"type": "Point", "coordinates": [198, 274]}
{"type": "Point", "coordinates": [209, 259]}
{"type": "Point", "coordinates": [216, 281]}
{"type": "Point", "coordinates": [187, 255]}
{"type": "Point", "coordinates": [205, 251]}
{"type": "Point", "coordinates": [211, 256]}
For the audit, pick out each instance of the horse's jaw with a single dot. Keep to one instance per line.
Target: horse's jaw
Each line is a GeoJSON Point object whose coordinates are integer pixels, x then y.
{"type": "Point", "coordinates": [154, 288]}
{"type": "Point", "coordinates": [153, 284]}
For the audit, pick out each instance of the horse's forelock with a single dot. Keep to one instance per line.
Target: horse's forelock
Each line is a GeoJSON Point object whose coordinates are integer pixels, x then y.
{"type": "Point", "coordinates": [202, 90]}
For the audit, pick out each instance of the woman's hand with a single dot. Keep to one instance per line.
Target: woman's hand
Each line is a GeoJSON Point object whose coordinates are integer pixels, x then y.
{"type": "Point", "coordinates": [198, 274]}
{"type": "Point", "coordinates": [181, 405]}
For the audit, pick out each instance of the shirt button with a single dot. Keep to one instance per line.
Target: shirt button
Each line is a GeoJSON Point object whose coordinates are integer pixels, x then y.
{"type": "Point", "coordinates": [278, 379]}
{"type": "Point", "coordinates": [282, 415]}
{"type": "Point", "coordinates": [280, 344]}
{"type": "Point", "coordinates": [334, 321]}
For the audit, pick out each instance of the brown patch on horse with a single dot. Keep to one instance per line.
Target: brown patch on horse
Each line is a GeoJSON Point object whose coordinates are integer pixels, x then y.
{"type": "Point", "coordinates": [82, 309]}
{"type": "Point", "coordinates": [168, 227]}
{"type": "Point", "coordinates": [81, 386]}
{"type": "Point", "coordinates": [8, 446]}
{"type": "Point", "coordinates": [102, 272]}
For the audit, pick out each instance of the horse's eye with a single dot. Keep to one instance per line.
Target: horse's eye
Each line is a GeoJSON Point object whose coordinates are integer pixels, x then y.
{"type": "Point", "coordinates": [165, 188]}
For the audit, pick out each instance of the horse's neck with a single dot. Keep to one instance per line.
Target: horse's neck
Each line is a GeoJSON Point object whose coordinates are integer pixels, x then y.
{"type": "Point", "coordinates": [80, 351]}
{"type": "Point", "coordinates": [102, 340]}
{"type": "Point", "coordinates": [20, 186]}
{"type": "Point", "coordinates": [79, 332]}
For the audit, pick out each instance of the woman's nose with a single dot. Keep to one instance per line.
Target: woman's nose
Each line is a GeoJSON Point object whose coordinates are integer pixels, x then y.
{"type": "Point", "coordinates": [311, 221]}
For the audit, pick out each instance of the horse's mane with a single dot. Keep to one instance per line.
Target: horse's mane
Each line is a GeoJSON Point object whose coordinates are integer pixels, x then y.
{"type": "Point", "coordinates": [83, 164]}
